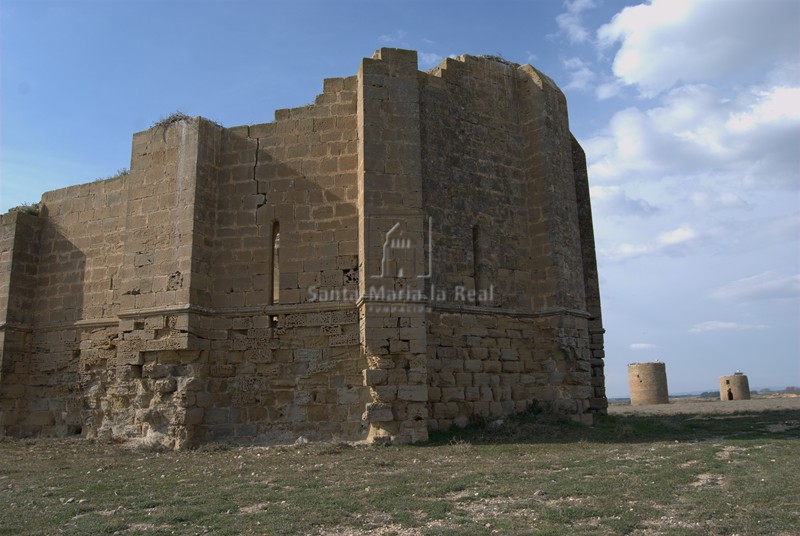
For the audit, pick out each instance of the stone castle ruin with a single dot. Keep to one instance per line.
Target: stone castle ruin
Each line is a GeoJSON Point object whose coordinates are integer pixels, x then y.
{"type": "Point", "coordinates": [412, 251]}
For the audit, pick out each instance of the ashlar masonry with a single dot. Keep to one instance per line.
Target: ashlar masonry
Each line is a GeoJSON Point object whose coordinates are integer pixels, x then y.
{"type": "Point", "coordinates": [412, 251]}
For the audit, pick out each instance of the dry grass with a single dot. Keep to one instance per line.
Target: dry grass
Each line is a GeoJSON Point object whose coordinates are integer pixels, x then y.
{"type": "Point", "coordinates": [683, 474]}
{"type": "Point", "coordinates": [174, 117]}
{"type": "Point", "coordinates": [27, 208]}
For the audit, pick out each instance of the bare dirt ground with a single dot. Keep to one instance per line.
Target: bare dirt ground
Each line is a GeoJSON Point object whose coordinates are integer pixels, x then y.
{"type": "Point", "coordinates": [679, 406]}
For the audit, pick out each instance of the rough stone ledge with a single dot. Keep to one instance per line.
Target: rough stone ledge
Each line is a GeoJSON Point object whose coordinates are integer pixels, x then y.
{"type": "Point", "coordinates": [478, 309]}
{"type": "Point", "coordinates": [79, 324]}
{"type": "Point", "coordinates": [367, 298]}
{"type": "Point", "coordinates": [9, 326]}
{"type": "Point", "coordinates": [96, 323]}
{"type": "Point", "coordinates": [155, 311]}
{"type": "Point", "coordinates": [310, 307]}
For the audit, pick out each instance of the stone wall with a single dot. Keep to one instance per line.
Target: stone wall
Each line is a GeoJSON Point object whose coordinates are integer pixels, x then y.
{"type": "Point", "coordinates": [411, 251]}
{"type": "Point", "coordinates": [71, 299]}
{"type": "Point", "coordinates": [509, 321]}
{"type": "Point", "coordinates": [20, 236]}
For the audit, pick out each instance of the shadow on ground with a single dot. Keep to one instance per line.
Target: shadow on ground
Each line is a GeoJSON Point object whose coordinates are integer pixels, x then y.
{"type": "Point", "coordinates": [534, 426]}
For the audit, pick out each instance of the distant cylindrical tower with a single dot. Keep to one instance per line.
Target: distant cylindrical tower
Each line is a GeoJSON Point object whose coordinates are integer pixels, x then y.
{"type": "Point", "coordinates": [648, 383]}
{"type": "Point", "coordinates": [734, 387]}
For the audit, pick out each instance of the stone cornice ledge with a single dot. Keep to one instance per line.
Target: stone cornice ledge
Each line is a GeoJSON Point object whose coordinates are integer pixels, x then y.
{"type": "Point", "coordinates": [240, 311]}
{"type": "Point", "coordinates": [298, 308]}
{"type": "Point", "coordinates": [14, 326]}
{"type": "Point", "coordinates": [484, 310]}
{"type": "Point", "coordinates": [474, 309]}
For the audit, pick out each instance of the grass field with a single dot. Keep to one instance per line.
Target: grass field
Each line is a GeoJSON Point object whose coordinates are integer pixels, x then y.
{"type": "Point", "coordinates": [661, 474]}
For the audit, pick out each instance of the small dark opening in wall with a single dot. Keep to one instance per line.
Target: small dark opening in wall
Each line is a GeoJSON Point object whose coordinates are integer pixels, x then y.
{"type": "Point", "coordinates": [730, 395]}
{"type": "Point", "coordinates": [76, 430]}
{"type": "Point", "coordinates": [136, 371]}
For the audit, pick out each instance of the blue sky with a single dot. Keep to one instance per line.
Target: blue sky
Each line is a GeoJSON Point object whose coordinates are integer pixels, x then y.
{"type": "Point", "coordinates": [689, 112]}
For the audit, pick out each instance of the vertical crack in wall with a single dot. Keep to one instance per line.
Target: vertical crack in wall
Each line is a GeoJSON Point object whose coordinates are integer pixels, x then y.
{"type": "Point", "coordinates": [255, 165]}
{"type": "Point", "coordinates": [255, 178]}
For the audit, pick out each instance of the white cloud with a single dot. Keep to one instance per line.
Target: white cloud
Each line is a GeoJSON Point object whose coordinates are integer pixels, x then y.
{"type": "Point", "coordinates": [677, 236]}
{"type": "Point", "coordinates": [710, 200]}
{"type": "Point", "coordinates": [676, 243]}
{"type": "Point", "coordinates": [625, 251]}
{"type": "Point", "coordinates": [737, 235]}
{"type": "Point", "coordinates": [716, 325]}
{"type": "Point", "coordinates": [667, 42]}
{"type": "Point", "coordinates": [765, 286]}
{"type": "Point", "coordinates": [621, 239]}
{"type": "Point", "coordinates": [777, 105]}
{"type": "Point", "coordinates": [749, 139]}
{"type": "Point", "coordinates": [606, 90]}
{"type": "Point", "coordinates": [395, 37]}
{"type": "Point", "coordinates": [614, 202]}
{"type": "Point", "coordinates": [709, 153]}
{"type": "Point", "coordinates": [530, 57]}
{"type": "Point", "coordinates": [581, 76]}
{"type": "Point", "coordinates": [570, 22]}
{"type": "Point", "coordinates": [428, 60]}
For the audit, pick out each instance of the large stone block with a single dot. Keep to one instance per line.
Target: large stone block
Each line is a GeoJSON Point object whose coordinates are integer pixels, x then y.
{"type": "Point", "coordinates": [413, 393]}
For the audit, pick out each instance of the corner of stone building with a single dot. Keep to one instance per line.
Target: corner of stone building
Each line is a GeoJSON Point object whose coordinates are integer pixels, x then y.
{"type": "Point", "coordinates": [397, 56]}
{"type": "Point", "coordinates": [542, 81]}
{"type": "Point", "coordinates": [393, 333]}
{"type": "Point", "coordinates": [598, 403]}
{"type": "Point", "coordinates": [161, 351]}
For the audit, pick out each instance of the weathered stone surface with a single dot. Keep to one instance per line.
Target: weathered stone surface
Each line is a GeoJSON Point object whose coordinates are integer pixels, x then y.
{"type": "Point", "coordinates": [378, 412]}
{"type": "Point", "coordinates": [410, 251]}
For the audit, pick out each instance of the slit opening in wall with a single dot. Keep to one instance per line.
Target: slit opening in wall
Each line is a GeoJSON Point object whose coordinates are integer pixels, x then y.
{"type": "Point", "coordinates": [276, 239]}
{"type": "Point", "coordinates": [475, 260]}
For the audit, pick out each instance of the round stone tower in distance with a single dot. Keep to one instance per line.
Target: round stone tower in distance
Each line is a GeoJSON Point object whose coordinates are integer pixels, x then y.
{"type": "Point", "coordinates": [648, 383]}
{"type": "Point", "coordinates": [734, 387]}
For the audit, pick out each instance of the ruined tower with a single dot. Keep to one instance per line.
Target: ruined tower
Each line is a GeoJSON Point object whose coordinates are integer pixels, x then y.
{"type": "Point", "coordinates": [648, 383]}
{"type": "Point", "coordinates": [410, 251]}
{"type": "Point", "coordinates": [734, 387]}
